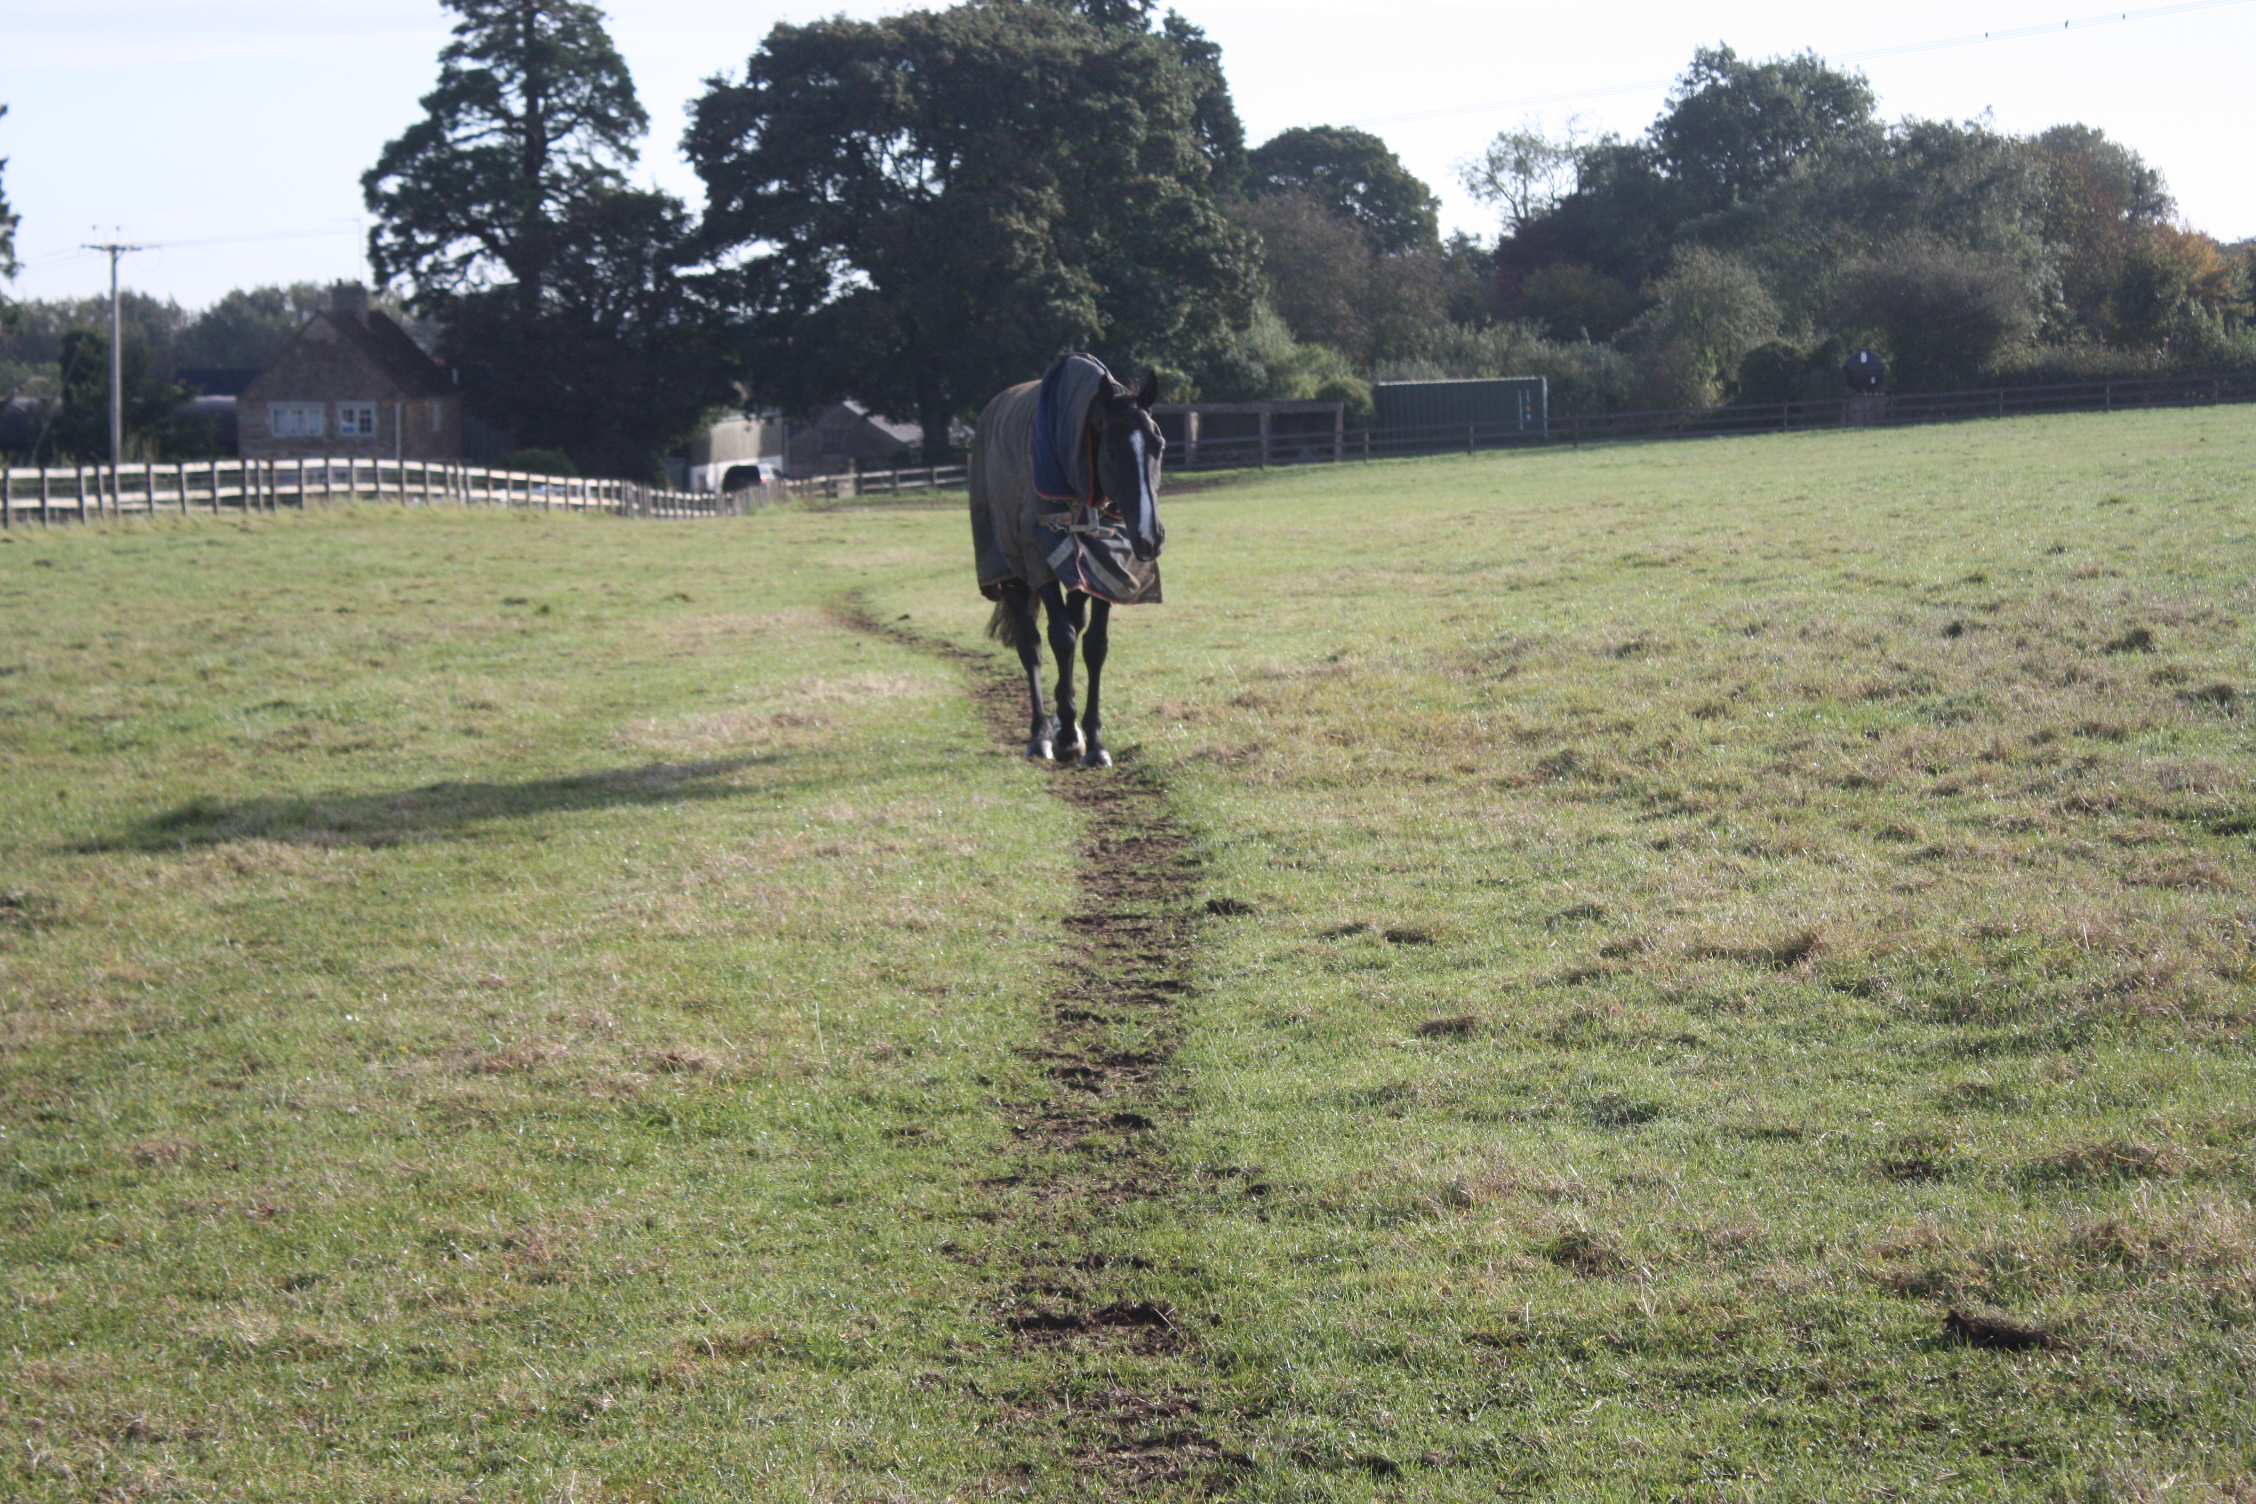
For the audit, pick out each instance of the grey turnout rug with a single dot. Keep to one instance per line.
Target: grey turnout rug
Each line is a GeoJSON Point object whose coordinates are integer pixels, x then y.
{"type": "Point", "coordinates": [1037, 514]}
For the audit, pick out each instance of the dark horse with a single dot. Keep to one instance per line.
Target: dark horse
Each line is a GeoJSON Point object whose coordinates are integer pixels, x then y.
{"type": "Point", "coordinates": [1065, 509]}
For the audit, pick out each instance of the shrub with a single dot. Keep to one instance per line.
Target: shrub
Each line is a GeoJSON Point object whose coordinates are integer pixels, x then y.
{"type": "Point", "coordinates": [538, 462]}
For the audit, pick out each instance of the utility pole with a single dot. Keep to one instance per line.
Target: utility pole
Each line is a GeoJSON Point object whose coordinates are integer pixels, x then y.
{"type": "Point", "coordinates": [117, 393]}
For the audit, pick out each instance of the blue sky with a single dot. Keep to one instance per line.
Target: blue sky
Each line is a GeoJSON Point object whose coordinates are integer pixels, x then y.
{"type": "Point", "coordinates": [233, 133]}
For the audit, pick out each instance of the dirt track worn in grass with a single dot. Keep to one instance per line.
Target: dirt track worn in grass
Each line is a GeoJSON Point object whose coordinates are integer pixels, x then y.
{"type": "Point", "coordinates": [1119, 1384]}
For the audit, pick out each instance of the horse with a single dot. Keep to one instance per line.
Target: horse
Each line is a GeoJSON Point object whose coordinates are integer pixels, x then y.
{"type": "Point", "coordinates": [1064, 477]}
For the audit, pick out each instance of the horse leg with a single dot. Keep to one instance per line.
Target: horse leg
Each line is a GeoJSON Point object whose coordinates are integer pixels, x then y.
{"type": "Point", "coordinates": [1064, 610]}
{"type": "Point", "coordinates": [1094, 642]}
{"type": "Point", "coordinates": [1019, 601]}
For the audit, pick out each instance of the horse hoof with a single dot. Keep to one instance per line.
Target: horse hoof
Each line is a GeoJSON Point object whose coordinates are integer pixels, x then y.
{"type": "Point", "coordinates": [1096, 757]}
{"type": "Point", "coordinates": [1068, 751]}
{"type": "Point", "coordinates": [1038, 751]}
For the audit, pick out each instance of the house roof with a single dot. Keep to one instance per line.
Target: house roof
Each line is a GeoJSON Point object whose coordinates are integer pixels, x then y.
{"type": "Point", "coordinates": [387, 349]}
{"type": "Point", "coordinates": [390, 349]}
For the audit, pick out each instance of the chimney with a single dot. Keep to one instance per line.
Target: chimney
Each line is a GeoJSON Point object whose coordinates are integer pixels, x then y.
{"type": "Point", "coordinates": [351, 300]}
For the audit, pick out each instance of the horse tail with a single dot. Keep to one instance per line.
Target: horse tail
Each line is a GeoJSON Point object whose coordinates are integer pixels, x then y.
{"type": "Point", "coordinates": [1000, 628]}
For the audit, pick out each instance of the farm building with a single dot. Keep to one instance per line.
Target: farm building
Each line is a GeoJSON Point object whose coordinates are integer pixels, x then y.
{"type": "Point", "coordinates": [848, 436]}
{"type": "Point", "coordinates": [1493, 408]}
{"type": "Point", "coordinates": [352, 382]}
{"type": "Point", "coordinates": [729, 445]}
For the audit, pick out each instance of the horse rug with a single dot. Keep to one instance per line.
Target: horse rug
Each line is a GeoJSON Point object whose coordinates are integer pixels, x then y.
{"type": "Point", "coordinates": [1037, 511]}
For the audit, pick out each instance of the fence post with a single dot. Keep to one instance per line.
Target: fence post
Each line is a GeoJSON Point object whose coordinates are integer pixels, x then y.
{"type": "Point", "coordinates": [1468, 438]}
{"type": "Point", "coordinates": [43, 494]}
{"type": "Point", "coordinates": [81, 493]}
{"type": "Point", "coordinates": [7, 497]}
{"type": "Point", "coordinates": [182, 467]}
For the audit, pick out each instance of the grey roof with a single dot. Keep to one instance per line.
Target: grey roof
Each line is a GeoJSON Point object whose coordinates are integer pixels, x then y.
{"type": "Point", "coordinates": [390, 349]}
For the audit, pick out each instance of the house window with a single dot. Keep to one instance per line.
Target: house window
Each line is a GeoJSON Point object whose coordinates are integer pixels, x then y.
{"type": "Point", "coordinates": [295, 420]}
{"type": "Point", "coordinates": [356, 420]}
{"type": "Point", "coordinates": [438, 416]}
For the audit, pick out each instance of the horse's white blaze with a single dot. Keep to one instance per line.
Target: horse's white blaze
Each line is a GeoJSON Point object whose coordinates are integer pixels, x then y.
{"type": "Point", "coordinates": [1143, 472]}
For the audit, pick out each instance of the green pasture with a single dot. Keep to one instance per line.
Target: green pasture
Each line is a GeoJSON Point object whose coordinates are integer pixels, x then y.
{"type": "Point", "coordinates": [510, 1006]}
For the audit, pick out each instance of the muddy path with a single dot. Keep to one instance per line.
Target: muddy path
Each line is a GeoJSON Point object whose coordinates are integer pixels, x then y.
{"type": "Point", "coordinates": [1068, 1285]}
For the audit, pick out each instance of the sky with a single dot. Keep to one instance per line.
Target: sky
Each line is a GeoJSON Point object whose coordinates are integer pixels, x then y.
{"type": "Point", "coordinates": [230, 135]}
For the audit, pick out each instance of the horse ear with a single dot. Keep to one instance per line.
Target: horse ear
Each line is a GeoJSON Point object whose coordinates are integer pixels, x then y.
{"type": "Point", "coordinates": [1149, 392]}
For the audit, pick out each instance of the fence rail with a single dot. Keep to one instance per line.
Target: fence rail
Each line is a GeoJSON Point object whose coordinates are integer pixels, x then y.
{"type": "Point", "coordinates": [1707, 422]}
{"type": "Point", "coordinates": [86, 492]}
{"type": "Point", "coordinates": [83, 493]}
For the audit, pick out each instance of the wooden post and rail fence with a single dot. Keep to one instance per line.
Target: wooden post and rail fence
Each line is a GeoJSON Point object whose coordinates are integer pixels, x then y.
{"type": "Point", "coordinates": [89, 492]}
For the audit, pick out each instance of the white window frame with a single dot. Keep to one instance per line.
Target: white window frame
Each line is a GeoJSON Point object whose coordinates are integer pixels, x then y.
{"type": "Point", "coordinates": [294, 420]}
{"type": "Point", "coordinates": [356, 420]}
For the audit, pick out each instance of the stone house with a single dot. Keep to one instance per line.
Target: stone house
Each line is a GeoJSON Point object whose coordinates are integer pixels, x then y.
{"type": "Point", "coordinates": [352, 384]}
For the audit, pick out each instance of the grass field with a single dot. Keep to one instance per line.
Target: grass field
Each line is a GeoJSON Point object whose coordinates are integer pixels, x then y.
{"type": "Point", "coordinates": [504, 1006]}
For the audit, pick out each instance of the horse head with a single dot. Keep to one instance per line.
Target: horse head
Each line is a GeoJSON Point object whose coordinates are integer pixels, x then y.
{"type": "Point", "coordinates": [1129, 446]}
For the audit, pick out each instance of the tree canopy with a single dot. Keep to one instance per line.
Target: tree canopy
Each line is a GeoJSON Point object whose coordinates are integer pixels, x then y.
{"type": "Point", "coordinates": [1734, 128]}
{"type": "Point", "coordinates": [1354, 174]}
{"type": "Point", "coordinates": [78, 426]}
{"type": "Point", "coordinates": [920, 210]}
{"type": "Point", "coordinates": [622, 358]}
{"type": "Point", "coordinates": [559, 292]}
{"type": "Point", "coordinates": [534, 113]}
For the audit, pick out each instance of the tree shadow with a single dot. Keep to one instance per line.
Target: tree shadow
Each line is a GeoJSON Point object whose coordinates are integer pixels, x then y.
{"type": "Point", "coordinates": [434, 811]}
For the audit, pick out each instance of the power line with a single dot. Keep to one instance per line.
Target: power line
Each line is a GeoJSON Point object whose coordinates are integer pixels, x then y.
{"type": "Point", "coordinates": [69, 253]}
{"type": "Point", "coordinates": [1901, 49]}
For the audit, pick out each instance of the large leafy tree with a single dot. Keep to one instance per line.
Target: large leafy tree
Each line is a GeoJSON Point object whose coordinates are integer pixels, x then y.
{"type": "Point", "coordinates": [534, 114]}
{"type": "Point", "coordinates": [1716, 166]}
{"type": "Point", "coordinates": [1354, 174]}
{"type": "Point", "coordinates": [1735, 127]}
{"type": "Point", "coordinates": [622, 357]}
{"type": "Point", "coordinates": [1331, 288]}
{"type": "Point", "coordinates": [560, 293]}
{"type": "Point", "coordinates": [920, 210]}
{"type": "Point", "coordinates": [2102, 206]}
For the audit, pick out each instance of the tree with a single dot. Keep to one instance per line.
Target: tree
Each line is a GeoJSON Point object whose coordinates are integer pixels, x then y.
{"type": "Point", "coordinates": [1525, 172]}
{"type": "Point", "coordinates": [1573, 302]}
{"type": "Point", "coordinates": [249, 327]}
{"type": "Point", "coordinates": [1354, 174]}
{"type": "Point", "coordinates": [920, 210]}
{"type": "Point", "coordinates": [1332, 289]}
{"type": "Point", "coordinates": [1944, 313]}
{"type": "Point", "coordinates": [2176, 286]}
{"type": "Point", "coordinates": [561, 296]}
{"type": "Point", "coordinates": [2101, 202]}
{"type": "Point", "coordinates": [1707, 313]}
{"type": "Point", "coordinates": [621, 360]}
{"type": "Point", "coordinates": [78, 426]}
{"type": "Point", "coordinates": [534, 114]}
{"type": "Point", "coordinates": [9, 219]}
{"type": "Point", "coordinates": [1734, 128]}
{"type": "Point", "coordinates": [1715, 167]}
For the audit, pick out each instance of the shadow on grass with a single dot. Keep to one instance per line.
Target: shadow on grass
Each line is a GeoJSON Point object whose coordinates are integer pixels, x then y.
{"type": "Point", "coordinates": [432, 811]}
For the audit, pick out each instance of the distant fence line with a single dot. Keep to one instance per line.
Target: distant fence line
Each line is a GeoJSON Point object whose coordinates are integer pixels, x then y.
{"type": "Point", "coordinates": [1706, 422]}
{"type": "Point", "coordinates": [82, 493]}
